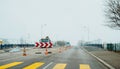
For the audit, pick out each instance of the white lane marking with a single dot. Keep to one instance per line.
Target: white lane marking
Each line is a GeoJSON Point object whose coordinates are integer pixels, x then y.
{"type": "Point", "coordinates": [48, 65]}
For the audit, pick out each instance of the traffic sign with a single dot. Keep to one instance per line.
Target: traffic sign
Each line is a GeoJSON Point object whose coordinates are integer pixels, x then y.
{"type": "Point", "coordinates": [44, 44]}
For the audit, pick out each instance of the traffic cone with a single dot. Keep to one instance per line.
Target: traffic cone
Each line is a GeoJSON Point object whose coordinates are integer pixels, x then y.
{"type": "Point", "coordinates": [24, 52]}
{"type": "Point", "coordinates": [65, 48]}
{"type": "Point", "coordinates": [59, 50]}
{"type": "Point", "coordinates": [46, 51]}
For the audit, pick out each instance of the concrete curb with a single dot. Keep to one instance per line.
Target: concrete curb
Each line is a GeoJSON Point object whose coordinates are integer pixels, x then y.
{"type": "Point", "coordinates": [102, 61]}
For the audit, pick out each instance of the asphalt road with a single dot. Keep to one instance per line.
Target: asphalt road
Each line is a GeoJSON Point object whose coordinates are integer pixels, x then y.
{"type": "Point", "coordinates": [74, 58]}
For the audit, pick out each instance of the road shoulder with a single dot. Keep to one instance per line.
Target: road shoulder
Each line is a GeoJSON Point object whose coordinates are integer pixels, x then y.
{"type": "Point", "coordinates": [109, 59]}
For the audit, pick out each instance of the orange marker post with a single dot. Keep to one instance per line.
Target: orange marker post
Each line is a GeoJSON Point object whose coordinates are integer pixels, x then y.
{"type": "Point", "coordinates": [24, 52]}
{"type": "Point", "coordinates": [59, 50]}
{"type": "Point", "coordinates": [46, 51]}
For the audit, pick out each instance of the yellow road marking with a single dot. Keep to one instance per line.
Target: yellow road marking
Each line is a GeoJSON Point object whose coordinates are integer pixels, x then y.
{"type": "Point", "coordinates": [59, 66]}
{"type": "Point", "coordinates": [84, 66]}
{"type": "Point", "coordinates": [10, 65]}
{"type": "Point", "coordinates": [34, 65]}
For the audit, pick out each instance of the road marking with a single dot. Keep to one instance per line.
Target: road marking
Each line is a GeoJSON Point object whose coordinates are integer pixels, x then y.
{"type": "Point", "coordinates": [48, 65]}
{"type": "Point", "coordinates": [10, 65]}
{"type": "Point", "coordinates": [34, 65]}
{"type": "Point", "coordinates": [59, 66]}
{"type": "Point", "coordinates": [84, 66]}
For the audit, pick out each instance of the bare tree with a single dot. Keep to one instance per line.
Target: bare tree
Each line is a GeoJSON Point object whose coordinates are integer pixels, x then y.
{"type": "Point", "coordinates": [112, 13]}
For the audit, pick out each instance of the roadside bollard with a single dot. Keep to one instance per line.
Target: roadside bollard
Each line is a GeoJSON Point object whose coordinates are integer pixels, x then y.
{"type": "Point", "coordinates": [59, 50]}
{"type": "Point", "coordinates": [46, 51]}
{"type": "Point", "coordinates": [65, 48]}
{"type": "Point", "coordinates": [24, 52]}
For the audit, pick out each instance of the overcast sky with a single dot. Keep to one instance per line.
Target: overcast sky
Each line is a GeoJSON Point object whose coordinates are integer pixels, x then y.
{"type": "Point", "coordinates": [60, 19]}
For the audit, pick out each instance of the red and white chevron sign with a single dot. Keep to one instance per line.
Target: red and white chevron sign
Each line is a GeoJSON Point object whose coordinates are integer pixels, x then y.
{"type": "Point", "coordinates": [44, 44]}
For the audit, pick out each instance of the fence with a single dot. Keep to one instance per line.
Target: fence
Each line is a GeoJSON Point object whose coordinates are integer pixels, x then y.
{"type": "Point", "coordinates": [108, 46]}
{"type": "Point", "coordinates": [95, 45]}
{"type": "Point", "coordinates": [113, 47]}
{"type": "Point", "coordinates": [6, 46]}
